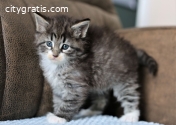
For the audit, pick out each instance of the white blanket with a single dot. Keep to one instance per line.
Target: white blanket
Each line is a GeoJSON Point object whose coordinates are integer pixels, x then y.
{"type": "Point", "coordinates": [96, 120]}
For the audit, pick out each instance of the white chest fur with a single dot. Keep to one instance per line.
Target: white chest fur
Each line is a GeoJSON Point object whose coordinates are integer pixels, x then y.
{"type": "Point", "coordinates": [50, 71]}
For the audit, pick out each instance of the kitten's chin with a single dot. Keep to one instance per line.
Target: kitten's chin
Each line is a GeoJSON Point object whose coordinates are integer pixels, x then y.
{"type": "Point", "coordinates": [55, 61]}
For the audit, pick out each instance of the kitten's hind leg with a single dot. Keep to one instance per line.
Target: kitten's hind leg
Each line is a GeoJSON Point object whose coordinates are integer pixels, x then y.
{"type": "Point", "coordinates": [99, 101]}
{"type": "Point", "coordinates": [129, 98]}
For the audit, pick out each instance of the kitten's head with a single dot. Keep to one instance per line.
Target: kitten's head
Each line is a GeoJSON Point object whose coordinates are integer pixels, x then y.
{"type": "Point", "coordinates": [61, 38]}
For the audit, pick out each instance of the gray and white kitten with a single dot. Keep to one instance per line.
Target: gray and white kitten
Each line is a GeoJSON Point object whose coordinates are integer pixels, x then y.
{"type": "Point", "coordinates": [78, 59]}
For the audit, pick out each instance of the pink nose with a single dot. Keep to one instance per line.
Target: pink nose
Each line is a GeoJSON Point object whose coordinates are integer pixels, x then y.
{"type": "Point", "coordinates": [55, 56]}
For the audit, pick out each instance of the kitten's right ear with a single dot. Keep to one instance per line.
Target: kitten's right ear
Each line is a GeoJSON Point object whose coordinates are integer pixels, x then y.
{"type": "Point", "coordinates": [80, 28]}
{"type": "Point", "coordinates": [41, 22]}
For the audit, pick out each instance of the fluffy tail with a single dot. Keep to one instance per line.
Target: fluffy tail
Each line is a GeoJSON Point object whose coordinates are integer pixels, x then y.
{"type": "Point", "coordinates": [147, 61]}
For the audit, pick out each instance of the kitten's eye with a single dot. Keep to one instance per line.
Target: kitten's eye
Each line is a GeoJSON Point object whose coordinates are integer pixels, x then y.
{"type": "Point", "coordinates": [49, 43]}
{"type": "Point", "coordinates": [65, 46]}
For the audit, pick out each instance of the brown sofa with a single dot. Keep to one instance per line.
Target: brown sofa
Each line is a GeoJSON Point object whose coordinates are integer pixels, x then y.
{"type": "Point", "coordinates": [23, 91]}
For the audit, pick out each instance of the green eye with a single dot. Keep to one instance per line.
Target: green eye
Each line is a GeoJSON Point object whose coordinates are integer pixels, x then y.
{"type": "Point", "coordinates": [49, 43]}
{"type": "Point", "coordinates": [65, 46]}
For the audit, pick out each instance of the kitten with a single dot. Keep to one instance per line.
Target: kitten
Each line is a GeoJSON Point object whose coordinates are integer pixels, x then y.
{"type": "Point", "coordinates": [78, 59]}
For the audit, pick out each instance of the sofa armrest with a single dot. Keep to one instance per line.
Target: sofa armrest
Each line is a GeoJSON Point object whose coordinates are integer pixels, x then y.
{"type": "Point", "coordinates": [158, 101]}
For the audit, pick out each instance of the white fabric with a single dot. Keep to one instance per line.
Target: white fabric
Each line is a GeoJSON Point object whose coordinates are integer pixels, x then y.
{"type": "Point", "coordinates": [96, 120]}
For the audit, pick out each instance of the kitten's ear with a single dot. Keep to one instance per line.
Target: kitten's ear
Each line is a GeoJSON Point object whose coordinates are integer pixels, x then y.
{"type": "Point", "coordinates": [41, 22]}
{"type": "Point", "coordinates": [80, 29]}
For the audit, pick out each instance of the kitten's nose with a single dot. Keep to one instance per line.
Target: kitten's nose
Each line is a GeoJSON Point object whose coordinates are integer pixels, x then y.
{"type": "Point", "coordinates": [55, 56]}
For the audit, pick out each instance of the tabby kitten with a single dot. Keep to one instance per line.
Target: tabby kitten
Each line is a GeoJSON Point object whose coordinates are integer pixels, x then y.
{"type": "Point", "coordinates": [78, 59]}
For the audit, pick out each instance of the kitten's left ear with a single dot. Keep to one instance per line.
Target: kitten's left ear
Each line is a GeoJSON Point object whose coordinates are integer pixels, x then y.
{"type": "Point", "coordinates": [80, 29]}
{"type": "Point", "coordinates": [41, 22]}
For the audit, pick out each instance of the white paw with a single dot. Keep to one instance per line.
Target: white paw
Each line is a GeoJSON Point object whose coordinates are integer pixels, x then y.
{"type": "Point", "coordinates": [131, 117]}
{"type": "Point", "coordinates": [51, 118]}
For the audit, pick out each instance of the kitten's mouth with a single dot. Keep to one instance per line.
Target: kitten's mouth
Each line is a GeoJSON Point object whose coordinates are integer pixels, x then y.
{"type": "Point", "coordinates": [54, 58]}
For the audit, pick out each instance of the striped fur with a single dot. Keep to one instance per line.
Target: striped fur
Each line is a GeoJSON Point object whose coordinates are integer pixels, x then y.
{"type": "Point", "coordinates": [147, 61]}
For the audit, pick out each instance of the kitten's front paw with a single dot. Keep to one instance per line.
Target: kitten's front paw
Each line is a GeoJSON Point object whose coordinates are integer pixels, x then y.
{"type": "Point", "coordinates": [51, 118]}
{"type": "Point", "coordinates": [131, 117]}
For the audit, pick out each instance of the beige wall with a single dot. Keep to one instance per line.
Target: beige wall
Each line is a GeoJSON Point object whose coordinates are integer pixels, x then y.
{"type": "Point", "coordinates": [156, 13]}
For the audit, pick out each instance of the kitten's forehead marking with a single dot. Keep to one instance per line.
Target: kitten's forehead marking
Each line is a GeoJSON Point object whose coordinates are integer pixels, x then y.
{"type": "Point", "coordinates": [59, 26]}
{"type": "Point", "coordinates": [62, 42]}
{"type": "Point", "coordinates": [53, 36]}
